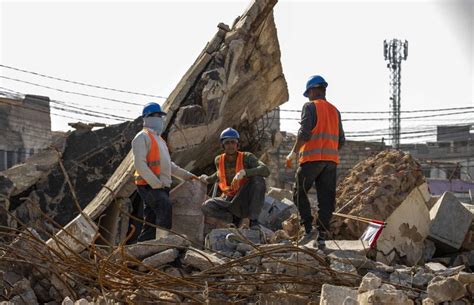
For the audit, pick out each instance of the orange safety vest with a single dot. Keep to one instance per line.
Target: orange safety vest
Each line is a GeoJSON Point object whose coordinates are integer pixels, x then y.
{"type": "Point", "coordinates": [239, 165]}
{"type": "Point", "coordinates": [324, 142]}
{"type": "Point", "coordinates": [152, 159]}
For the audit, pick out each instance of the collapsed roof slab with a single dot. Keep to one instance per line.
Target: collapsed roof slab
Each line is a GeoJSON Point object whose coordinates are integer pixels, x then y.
{"type": "Point", "coordinates": [235, 80]}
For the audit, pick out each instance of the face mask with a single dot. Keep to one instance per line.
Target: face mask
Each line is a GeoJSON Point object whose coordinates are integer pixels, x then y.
{"type": "Point", "coordinates": [155, 123]}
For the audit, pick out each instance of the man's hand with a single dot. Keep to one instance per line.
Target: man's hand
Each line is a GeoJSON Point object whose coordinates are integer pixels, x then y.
{"type": "Point", "coordinates": [290, 159]}
{"type": "Point", "coordinates": [239, 176]}
{"type": "Point", "coordinates": [203, 178]}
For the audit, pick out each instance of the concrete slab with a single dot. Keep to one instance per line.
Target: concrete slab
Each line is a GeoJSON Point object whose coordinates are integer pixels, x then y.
{"type": "Point", "coordinates": [407, 227]}
{"type": "Point", "coordinates": [444, 231]}
{"type": "Point", "coordinates": [275, 211]}
{"type": "Point", "coordinates": [188, 218]}
{"type": "Point", "coordinates": [75, 236]}
{"type": "Point", "coordinates": [357, 246]}
{"type": "Point", "coordinates": [201, 260]}
{"type": "Point", "coordinates": [226, 240]}
{"type": "Point", "coordinates": [335, 295]}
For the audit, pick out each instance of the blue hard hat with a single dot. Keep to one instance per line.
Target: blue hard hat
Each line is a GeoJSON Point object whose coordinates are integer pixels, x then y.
{"type": "Point", "coordinates": [315, 81]}
{"type": "Point", "coordinates": [152, 108]}
{"type": "Point", "coordinates": [229, 133]}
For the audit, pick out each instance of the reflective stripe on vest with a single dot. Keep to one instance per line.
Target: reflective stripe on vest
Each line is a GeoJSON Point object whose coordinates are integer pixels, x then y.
{"type": "Point", "coordinates": [324, 142]}
{"type": "Point", "coordinates": [152, 159]}
{"type": "Point", "coordinates": [239, 165]}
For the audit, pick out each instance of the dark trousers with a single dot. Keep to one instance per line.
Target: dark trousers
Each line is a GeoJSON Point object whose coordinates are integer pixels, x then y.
{"type": "Point", "coordinates": [248, 202]}
{"type": "Point", "coordinates": [157, 210]}
{"type": "Point", "coordinates": [323, 175]}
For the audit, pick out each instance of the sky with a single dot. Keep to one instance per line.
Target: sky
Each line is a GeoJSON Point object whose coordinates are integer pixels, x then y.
{"type": "Point", "coordinates": [147, 46]}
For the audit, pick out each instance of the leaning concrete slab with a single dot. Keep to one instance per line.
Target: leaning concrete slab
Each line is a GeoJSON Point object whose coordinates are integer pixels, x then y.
{"type": "Point", "coordinates": [407, 227]}
{"type": "Point", "coordinates": [446, 233]}
{"type": "Point", "coordinates": [75, 237]}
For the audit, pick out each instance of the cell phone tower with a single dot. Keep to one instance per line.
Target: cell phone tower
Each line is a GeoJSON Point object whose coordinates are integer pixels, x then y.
{"type": "Point", "coordinates": [394, 52]}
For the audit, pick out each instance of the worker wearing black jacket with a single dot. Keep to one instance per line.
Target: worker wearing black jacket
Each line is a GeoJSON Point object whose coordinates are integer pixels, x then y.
{"type": "Point", "coordinates": [319, 139]}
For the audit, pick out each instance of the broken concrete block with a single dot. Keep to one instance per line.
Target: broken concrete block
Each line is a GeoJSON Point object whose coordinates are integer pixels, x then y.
{"type": "Point", "coordinates": [369, 282]}
{"type": "Point", "coordinates": [383, 296]}
{"type": "Point", "coordinates": [335, 295]}
{"type": "Point", "coordinates": [226, 240]}
{"type": "Point", "coordinates": [445, 289]}
{"type": "Point", "coordinates": [352, 257]}
{"type": "Point", "coordinates": [435, 267]}
{"type": "Point", "coordinates": [280, 194]}
{"type": "Point", "coordinates": [446, 233]}
{"type": "Point", "coordinates": [75, 236]}
{"type": "Point", "coordinates": [282, 298]}
{"type": "Point", "coordinates": [161, 258]}
{"type": "Point", "coordinates": [465, 278]}
{"type": "Point", "coordinates": [188, 218]}
{"type": "Point", "coordinates": [275, 211]}
{"type": "Point", "coordinates": [200, 259]}
{"type": "Point", "coordinates": [145, 249]}
{"type": "Point", "coordinates": [357, 246]}
{"type": "Point", "coordinates": [407, 227]}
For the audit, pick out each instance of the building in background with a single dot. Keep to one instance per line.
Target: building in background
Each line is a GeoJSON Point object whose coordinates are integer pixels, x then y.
{"type": "Point", "coordinates": [25, 128]}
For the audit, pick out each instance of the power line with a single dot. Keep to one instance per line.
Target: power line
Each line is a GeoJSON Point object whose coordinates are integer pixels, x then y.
{"type": "Point", "coordinates": [82, 111]}
{"type": "Point", "coordinates": [82, 84]}
{"type": "Point", "coordinates": [385, 112]}
{"type": "Point", "coordinates": [71, 92]}
{"type": "Point", "coordinates": [385, 119]}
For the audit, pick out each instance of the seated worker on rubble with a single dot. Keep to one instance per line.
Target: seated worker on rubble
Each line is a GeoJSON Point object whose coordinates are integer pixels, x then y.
{"type": "Point", "coordinates": [153, 171]}
{"type": "Point", "coordinates": [245, 195]}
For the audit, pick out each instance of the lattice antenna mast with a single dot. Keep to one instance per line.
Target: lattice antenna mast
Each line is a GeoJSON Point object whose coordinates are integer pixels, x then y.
{"type": "Point", "coordinates": [394, 52]}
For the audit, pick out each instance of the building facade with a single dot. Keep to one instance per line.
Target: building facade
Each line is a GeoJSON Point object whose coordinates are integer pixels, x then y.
{"type": "Point", "coordinates": [25, 128]}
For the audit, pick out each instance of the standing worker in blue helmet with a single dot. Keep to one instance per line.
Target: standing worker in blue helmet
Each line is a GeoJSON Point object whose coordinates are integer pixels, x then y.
{"type": "Point", "coordinates": [317, 149]}
{"type": "Point", "coordinates": [241, 180]}
{"type": "Point", "coordinates": [153, 171]}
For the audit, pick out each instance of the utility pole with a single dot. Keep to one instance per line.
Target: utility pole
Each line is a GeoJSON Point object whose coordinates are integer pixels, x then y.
{"type": "Point", "coordinates": [394, 52]}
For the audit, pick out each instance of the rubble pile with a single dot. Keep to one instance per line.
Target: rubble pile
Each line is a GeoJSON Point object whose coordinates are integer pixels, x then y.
{"type": "Point", "coordinates": [374, 188]}
{"type": "Point", "coordinates": [176, 269]}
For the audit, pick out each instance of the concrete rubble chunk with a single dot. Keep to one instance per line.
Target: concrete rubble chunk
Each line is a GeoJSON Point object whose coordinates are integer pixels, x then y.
{"type": "Point", "coordinates": [201, 260]}
{"type": "Point", "coordinates": [357, 246]}
{"type": "Point", "coordinates": [464, 277]}
{"type": "Point", "coordinates": [383, 296]}
{"type": "Point", "coordinates": [145, 249]}
{"type": "Point", "coordinates": [445, 289]}
{"type": "Point", "coordinates": [277, 298]}
{"type": "Point", "coordinates": [75, 236]}
{"type": "Point", "coordinates": [226, 240]}
{"type": "Point", "coordinates": [161, 258]}
{"type": "Point", "coordinates": [369, 282]}
{"type": "Point", "coordinates": [446, 233]}
{"type": "Point", "coordinates": [407, 227]}
{"type": "Point", "coordinates": [352, 257]}
{"type": "Point", "coordinates": [188, 218]}
{"type": "Point", "coordinates": [275, 211]}
{"type": "Point", "coordinates": [335, 295]}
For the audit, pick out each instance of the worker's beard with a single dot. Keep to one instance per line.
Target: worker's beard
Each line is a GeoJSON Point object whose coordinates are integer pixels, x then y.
{"type": "Point", "coordinates": [155, 123]}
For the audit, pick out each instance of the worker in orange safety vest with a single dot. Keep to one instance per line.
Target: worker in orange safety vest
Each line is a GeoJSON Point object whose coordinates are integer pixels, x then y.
{"type": "Point", "coordinates": [241, 181]}
{"type": "Point", "coordinates": [153, 171]}
{"type": "Point", "coordinates": [317, 150]}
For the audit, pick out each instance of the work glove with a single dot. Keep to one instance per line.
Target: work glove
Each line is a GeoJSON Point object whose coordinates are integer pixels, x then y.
{"type": "Point", "coordinates": [290, 159]}
{"type": "Point", "coordinates": [203, 178]}
{"type": "Point", "coordinates": [239, 176]}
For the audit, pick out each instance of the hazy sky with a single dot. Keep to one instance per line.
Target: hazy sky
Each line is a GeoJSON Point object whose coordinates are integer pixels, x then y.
{"type": "Point", "coordinates": [147, 47]}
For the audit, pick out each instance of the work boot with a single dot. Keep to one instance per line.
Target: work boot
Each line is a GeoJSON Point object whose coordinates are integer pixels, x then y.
{"type": "Point", "coordinates": [321, 241]}
{"type": "Point", "coordinates": [308, 237]}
